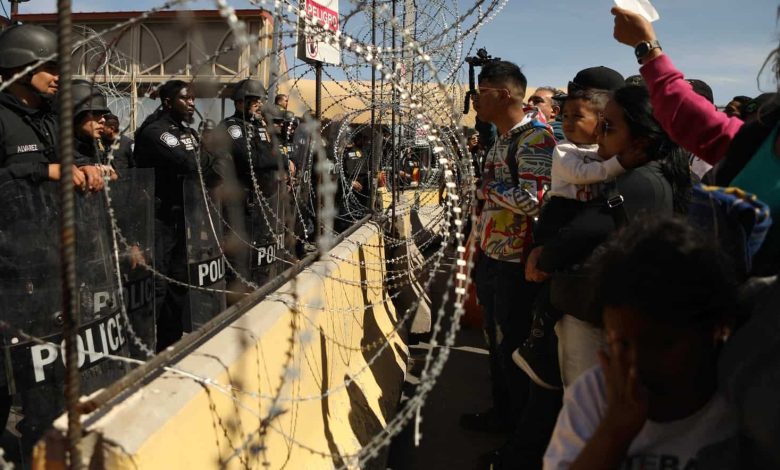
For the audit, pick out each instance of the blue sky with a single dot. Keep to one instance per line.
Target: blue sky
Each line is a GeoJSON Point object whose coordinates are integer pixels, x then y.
{"type": "Point", "coordinates": [723, 42]}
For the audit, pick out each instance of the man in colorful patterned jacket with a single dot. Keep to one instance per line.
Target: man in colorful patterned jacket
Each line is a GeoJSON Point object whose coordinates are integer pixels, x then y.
{"type": "Point", "coordinates": [515, 177]}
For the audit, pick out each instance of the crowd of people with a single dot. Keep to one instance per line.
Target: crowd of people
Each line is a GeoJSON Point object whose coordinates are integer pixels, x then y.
{"type": "Point", "coordinates": [625, 263]}
{"type": "Point", "coordinates": [625, 258]}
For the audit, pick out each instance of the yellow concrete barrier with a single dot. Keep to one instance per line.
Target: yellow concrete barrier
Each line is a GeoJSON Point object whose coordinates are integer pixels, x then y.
{"type": "Point", "coordinates": [335, 361]}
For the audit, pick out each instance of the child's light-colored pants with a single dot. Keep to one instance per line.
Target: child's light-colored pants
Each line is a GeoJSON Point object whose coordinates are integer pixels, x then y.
{"type": "Point", "coordinates": [578, 343]}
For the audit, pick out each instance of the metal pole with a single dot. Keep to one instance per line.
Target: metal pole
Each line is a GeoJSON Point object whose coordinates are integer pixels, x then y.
{"type": "Point", "coordinates": [275, 44]}
{"type": "Point", "coordinates": [318, 114]}
{"type": "Point", "coordinates": [372, 157]}
{"type": "Point", "coordinates": [318, 90]}
{"type": "Point", "coordinates": [14, 9]}
{"type": "Point", "coordinates": [411, 86]}
{"type": "Point", "coordinates": [70, 304]}
{"type": "Point", "coordinates": [133, 103]}
{"type": "Point", "coordinates": [393, 156]}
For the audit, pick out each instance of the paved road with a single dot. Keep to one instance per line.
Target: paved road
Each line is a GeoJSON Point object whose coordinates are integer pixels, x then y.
{"type": "Point", "coordinates": [462, 387]}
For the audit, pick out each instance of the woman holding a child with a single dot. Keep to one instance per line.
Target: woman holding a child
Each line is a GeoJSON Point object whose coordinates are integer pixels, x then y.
{"type": "Point", "coordinates": [657, 181]}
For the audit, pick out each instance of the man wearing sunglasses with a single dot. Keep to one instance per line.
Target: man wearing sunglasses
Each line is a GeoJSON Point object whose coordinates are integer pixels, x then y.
{"type": "Point", "coordinates": [545, 99]}
{"type": "Point", "coordinates": [516, 174]}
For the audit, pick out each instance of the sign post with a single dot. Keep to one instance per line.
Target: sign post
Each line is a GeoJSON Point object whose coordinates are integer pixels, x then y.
{"type": "Point", "coordinates": [312, 46]}
{"type": "Point", "coordinates": [311, 41]}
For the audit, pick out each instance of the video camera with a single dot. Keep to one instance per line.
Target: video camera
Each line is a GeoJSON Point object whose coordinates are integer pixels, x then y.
{"type": "Point", "coordinates": [480, 60]}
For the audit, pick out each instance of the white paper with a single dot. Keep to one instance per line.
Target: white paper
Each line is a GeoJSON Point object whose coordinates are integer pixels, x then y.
{"type": "Point", "coordinates": [642, 7]}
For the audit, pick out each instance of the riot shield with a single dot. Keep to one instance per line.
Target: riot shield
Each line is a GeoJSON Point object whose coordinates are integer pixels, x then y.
{"type": "Point", "coordinates": [236, 244]}
{"type": "Point", "coordinates": [303, 204]}
{"type": "Point", "coordinates": [205, 261]}
{"type": "Point", "coordinates": [132, 199]}
{"type": "Point", "coordinates": [30, 286]}
{"type": "Point", "coordinates": [98, 289]}
{"type": "Point", "coordinates": [265, 216]}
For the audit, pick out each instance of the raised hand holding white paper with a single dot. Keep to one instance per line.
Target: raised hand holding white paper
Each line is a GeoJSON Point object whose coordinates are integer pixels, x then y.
{"type": "Point", "coordinates": [642, 7]}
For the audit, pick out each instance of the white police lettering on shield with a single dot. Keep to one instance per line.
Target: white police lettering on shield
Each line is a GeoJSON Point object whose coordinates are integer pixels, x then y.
{"type": "Point", "coordinates": [112, 338]}
{"type": "Point", "coordinates": [211, 271]}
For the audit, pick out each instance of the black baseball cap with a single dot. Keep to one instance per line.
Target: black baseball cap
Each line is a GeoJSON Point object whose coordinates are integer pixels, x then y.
{"type": "Point", "coordinates": [594, 78]}
{"type": "Point", "coordinates": [701, 87]}
{"type": "Point", "coordinates": [597, 78]}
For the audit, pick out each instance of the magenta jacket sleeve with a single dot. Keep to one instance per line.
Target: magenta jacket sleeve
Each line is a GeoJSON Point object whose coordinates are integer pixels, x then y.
{"type": "Point", "coordinates": [688, 118]}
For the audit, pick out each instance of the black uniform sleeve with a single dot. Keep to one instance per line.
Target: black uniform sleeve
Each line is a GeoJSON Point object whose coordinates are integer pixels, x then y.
{"type": "Point", "coordinates": [239, 148]}
{"type": "Point", "coordinates": [209, 162]}
{"type": "Point", "coordinates": [33, 171]}
{"type": "Point", "coordinates": [242, 149]}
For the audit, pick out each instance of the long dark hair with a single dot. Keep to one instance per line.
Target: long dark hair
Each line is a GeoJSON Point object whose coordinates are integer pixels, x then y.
{"type": "Point", "coordinates": [638, 112]}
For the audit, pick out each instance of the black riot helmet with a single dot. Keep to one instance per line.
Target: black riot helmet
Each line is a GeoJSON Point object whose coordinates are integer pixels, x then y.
{"type": "Point", "coordinates": [24, 44]}
{"type": "Point", "coordinates": [249, 88]}
{"type": "Point", "coordinates": [86, 97]}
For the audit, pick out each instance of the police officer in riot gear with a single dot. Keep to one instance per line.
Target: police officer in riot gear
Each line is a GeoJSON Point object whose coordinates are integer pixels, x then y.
{"type": "Point", "coordinates": [250, 143]}
{"type": "Point", "coordinates": [28, 127]}
{"type": "Point", "coordinates": [351, 169]}
{"type": "Point", "coordinates": [356, 170]}
{"type": "Point", "coordinates": [89, 110]}
{"type": "Point", "coordinates": [256, 161]}
{"type": "Point", "coordinates": [166, 143]}
{"type": "Point", "coordinates": [28, 152]}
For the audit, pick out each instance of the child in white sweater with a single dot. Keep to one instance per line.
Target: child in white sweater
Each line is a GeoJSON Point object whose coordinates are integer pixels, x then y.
{"type": "Point", "coordinates": [576, 165]}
